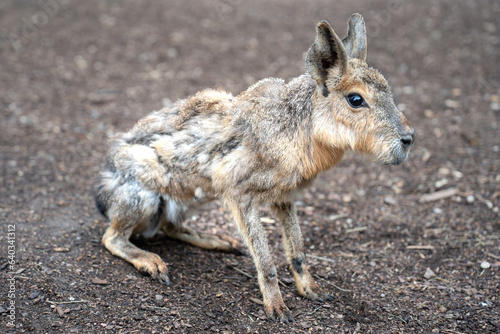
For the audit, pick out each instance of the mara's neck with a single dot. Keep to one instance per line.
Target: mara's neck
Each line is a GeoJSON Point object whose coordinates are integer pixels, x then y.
{"type": "Point", "coordinates": [320, 150]}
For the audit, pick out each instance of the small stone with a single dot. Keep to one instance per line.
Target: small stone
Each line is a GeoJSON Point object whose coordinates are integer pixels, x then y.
{"type": "Point", "coordinates": [80, 62]}
{"type": "Point", "coordinates": [485, 265]}
{"type": "Point", "coordinates": [442, 309]}
{"type": "Point", "coordinates": [451, 103]}
{"type": "Point", "coordinates": [2, 310]}
{"type": "Point", "coordinates": [489, 27]}
{"type": "Point", "coordinates": [438, 132]}
{"type": "Point", "coordinates": [444, 171]}
{"type": "Point", "coordinates": [456, 92]}
{"type": "Point", "coordinates": [60, 311]}
{"type": "Point", "coordinates": [360, 192]}
{"type": "Point", "coordinates": [159, 300]}
{"type": "Point", "coordinates": [495, 106]}
{"type": "Point", "coordinates": [427, 155]}
{"type": "Point", "coordinates": [305, 324]}
{"type": "Point", "coordinates": [429, 273]}
{"type": "Point", "coordinates": [441, 183]}
{"type": "Point", "coordinates": [408, 90]}
{"type": "Point", "coordinates": [389, 200]}
{"type": "Point", "coordinates": [470, 199]}
{"type": "Point", "coordinates": [99, 281]}
{"type": "Point", "coordinates": [95, 114]}
{"type": "Point", "coordinates": [172, 52]}
{"type": "Point", "coordinates": [457, 175]}
{"type": "Point", "coordinates": [428, 113]}
{"type": "Point", "coordinates": [92, 49]}
{"type": "Point", "coordinates": [34, 294]}
{"type": "Point", "coordinates": [437, 211]}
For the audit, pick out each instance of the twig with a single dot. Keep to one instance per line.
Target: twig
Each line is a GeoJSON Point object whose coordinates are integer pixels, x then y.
{"type": "Point", "coordinates": [256, 301]}
{"type": "Point", "coordinates": [297, 314]}
{"type": "Point", "coordinates": [327, 282]}
{"type": "Point", "coordinates": [397, 316]}
{"type": "Point", "coordinates": [335, 217]}
{"type": "Point", "coordinates": [420, 247]}
{"type": "Point", "coordinates": [242, 272]}
{"type": "Point", "coordinates": [314, 311]}
{"type": "Point", "coordinates": [356, 229]}
{"type": "Point", "coordinates": [452, 331]}
{"type": "Point", "coordinates": [436, 196]}
{"type": "Point", "coordinates": [249, 317]}
{"type": "Point", "coordinates": [70, 302]}
{"type": "Point", "coordinates": [493, 255]}
{"type": "Point", "coordinates": [366, 244]}
{"type": "Point", "coordinates": [320, 258]}
{"type": "Point", "coordinates": [437, 278]}
{"type": "Point", "coordinates": [156, 307]}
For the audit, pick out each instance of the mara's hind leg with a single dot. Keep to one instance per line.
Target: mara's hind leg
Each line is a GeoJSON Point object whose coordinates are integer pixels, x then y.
{"type": "Point", "coordinates": [116, 240]}
{"type": "Point", "coordinates": [134, 211]}
{"type": "Point", "coordinates": [202, 240]}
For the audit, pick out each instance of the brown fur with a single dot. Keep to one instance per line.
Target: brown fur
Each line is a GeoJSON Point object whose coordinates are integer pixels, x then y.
{"type": "Point", "coordinates": [260, 147]}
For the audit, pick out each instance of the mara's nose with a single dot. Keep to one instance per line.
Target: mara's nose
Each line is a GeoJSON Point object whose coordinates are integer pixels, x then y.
{"type": "Point", "coordinates": [407, 138]}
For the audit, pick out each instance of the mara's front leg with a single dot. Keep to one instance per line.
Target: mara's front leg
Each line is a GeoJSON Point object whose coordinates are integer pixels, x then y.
{"type": "Point", "coordinates": [294, 248]}
{"type": "Point", "coordinates": [247, 217]}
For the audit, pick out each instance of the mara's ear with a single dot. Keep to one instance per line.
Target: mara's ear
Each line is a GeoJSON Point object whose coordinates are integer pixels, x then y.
{"type": "Point", "coordinates": [355, 42]}
{"type": "Point", "coordinates": [327, 52]}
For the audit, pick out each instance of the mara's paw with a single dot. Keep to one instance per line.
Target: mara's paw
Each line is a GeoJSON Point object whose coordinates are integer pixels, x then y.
{"type": "Point", "coordinates": [154, 266]}
{"type": "Point", "coordinates": [277, 310]}
{"type": "Point", "coordinates": [314, 292]}
{"type": "Point", "coordinates": [309, 289]}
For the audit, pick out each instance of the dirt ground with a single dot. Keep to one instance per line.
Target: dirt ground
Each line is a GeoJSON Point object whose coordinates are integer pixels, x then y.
{"type": "Point", "coordinates": [74, 73]}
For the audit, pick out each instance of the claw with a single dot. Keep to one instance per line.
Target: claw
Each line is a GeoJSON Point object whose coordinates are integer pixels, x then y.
{"type": "Point", "coordinates": [283, 317]}
{"type": "Point", "coordinates": [164, 278]}
{"type": "Point", "coordinates": [160, 273]}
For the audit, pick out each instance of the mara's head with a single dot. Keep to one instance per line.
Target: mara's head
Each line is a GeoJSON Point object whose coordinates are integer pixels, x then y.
{"type": "Point", "coordinates": [355, 98]}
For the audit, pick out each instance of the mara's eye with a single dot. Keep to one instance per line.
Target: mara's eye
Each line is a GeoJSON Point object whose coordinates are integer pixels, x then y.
{"type": "Point", "coordinates": [355, 100]}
